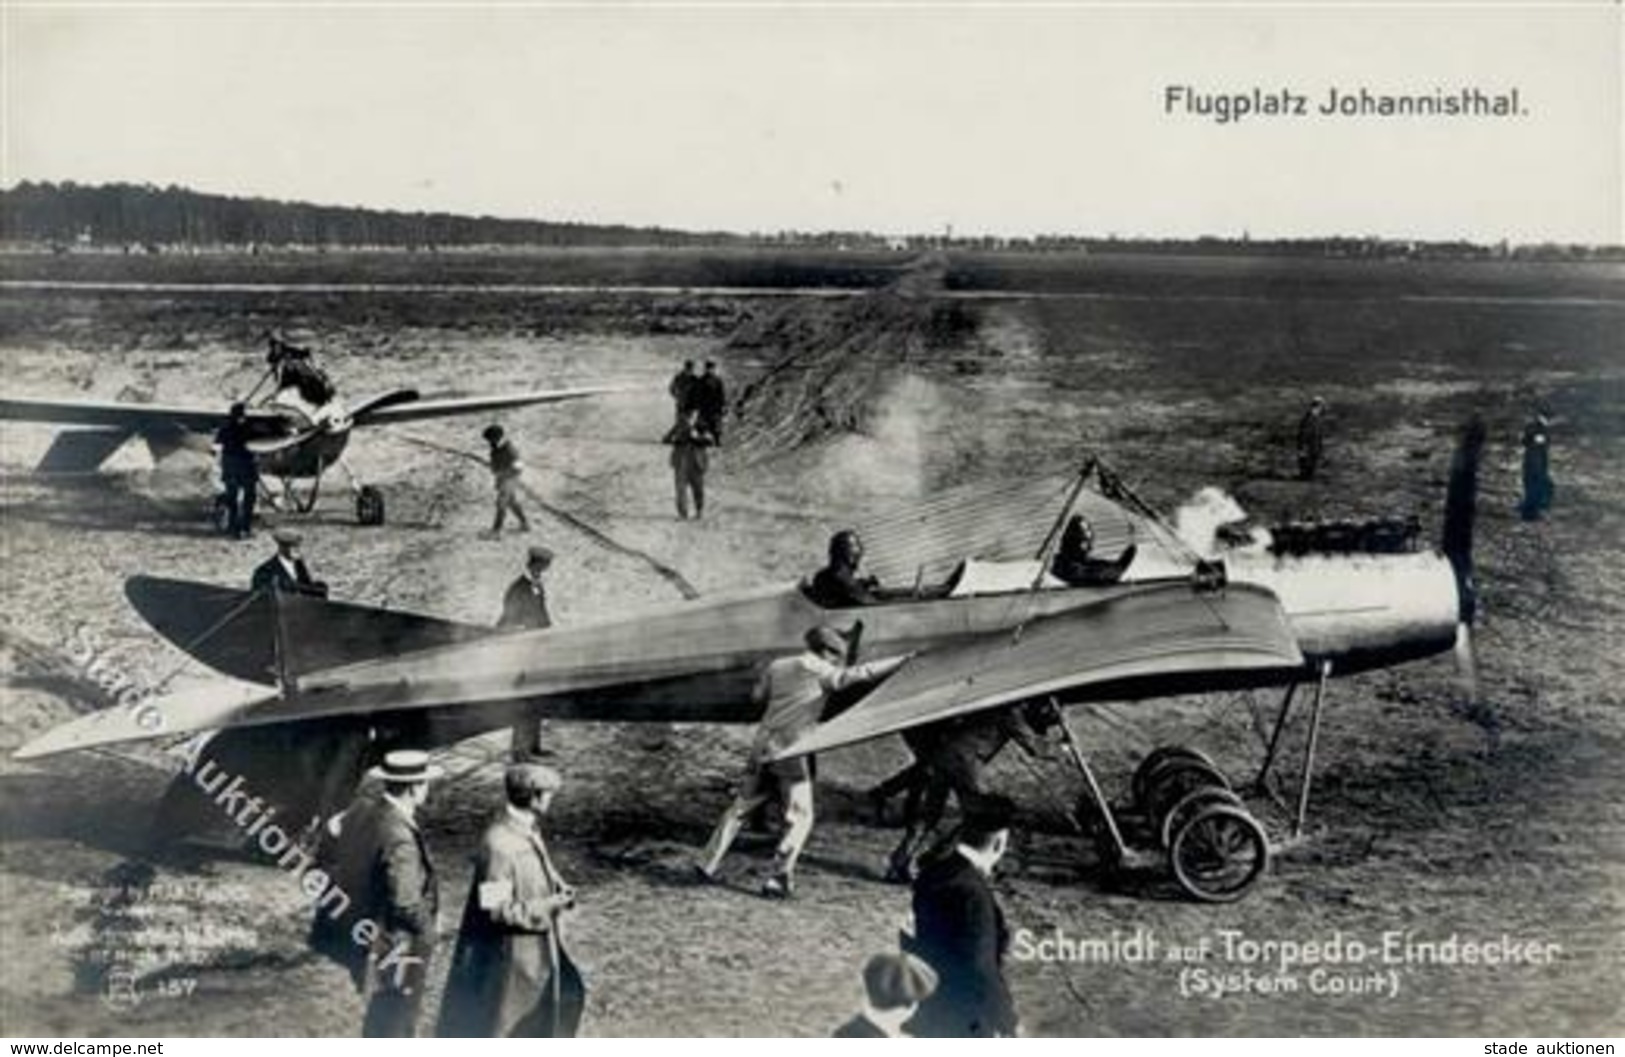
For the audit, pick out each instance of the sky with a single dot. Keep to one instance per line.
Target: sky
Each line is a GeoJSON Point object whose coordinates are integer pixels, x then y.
{"type": "Point", "coordinates": [908, 117]}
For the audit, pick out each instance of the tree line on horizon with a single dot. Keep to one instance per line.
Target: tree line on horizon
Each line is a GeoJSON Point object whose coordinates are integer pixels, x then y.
{"type": "Point", "coordinates": [67, 214]}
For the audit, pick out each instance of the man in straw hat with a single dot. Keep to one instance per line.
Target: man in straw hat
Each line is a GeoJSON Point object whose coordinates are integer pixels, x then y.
{"type": "Point", "coordinates": [385, 858]}
{"type": "Point", "coordinates": [511, 974]}
{"type": "Point", "coordinates": [793, 691]}
{"type": "Point", "coordinates": [894, 986]}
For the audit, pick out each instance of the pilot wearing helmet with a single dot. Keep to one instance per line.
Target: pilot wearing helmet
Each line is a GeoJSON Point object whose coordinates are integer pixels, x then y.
{"type": "Point", "coordinates": [838, 585]}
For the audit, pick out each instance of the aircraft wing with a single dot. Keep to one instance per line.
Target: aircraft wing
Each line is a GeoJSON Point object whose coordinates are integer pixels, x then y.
{"type": "Point", "coordinates": [1161, 639]}
{"type": "Point", "coordinates": [114, 414]}
{"type": "Point", "coordinates": [414, 410]}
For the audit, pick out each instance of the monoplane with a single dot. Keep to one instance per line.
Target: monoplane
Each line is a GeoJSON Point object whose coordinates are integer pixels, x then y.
{"type": "Point", "coordinates": [312, 690]}
{"type": "Point", "coordinates": [300, 429]}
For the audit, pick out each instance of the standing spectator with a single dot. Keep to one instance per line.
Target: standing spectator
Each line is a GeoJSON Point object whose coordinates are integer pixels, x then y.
{"type": "Point", "coordinates": [1311, 439]}
{"type": "Point", "coordinates": [524, 608]}
{"type": "Point", "coordinates": [385, 857]}
{"type": "Point", "coordinates": [286, 570]}
{"type": "Point", "coordinates": [960, 932]}
{"type": "Point", "coordinates": [683, 389]}
{"type": "Point", "coordinates": [711, 399]}
{"type": "Point", "coordinates": [793, 692]}
{"type": "Point", "coordinates": [1537, 475]}
{"type": "Point", "coordinates": [511, 975]}
{"type": "Point", "coordinates": [894, 986]}
{"type": "Point", "coordinates": [505, 472]}
{"type": "Point", "coordinates": [524, 605]}
{"type": "Point", "coordinates": [239, 472]}
{"type": "Point", "coordinates": [689, 461]}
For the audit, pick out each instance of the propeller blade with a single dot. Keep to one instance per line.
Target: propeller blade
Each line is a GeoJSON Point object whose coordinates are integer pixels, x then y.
{"type": "Point", "coordinates": [1460, 512]}
{"type": "Point", "coordinates": [390, 399]}
{"type": "Point", "coordinates": [272, 445]}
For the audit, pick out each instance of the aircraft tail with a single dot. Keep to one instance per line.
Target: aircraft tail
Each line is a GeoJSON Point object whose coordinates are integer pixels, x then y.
{"type": "Point", "coordinates": [263, 642]}
{"type": "Point", "coordinates": [269, 639]}
{"type": "Point", "coordinates": [82, 450]}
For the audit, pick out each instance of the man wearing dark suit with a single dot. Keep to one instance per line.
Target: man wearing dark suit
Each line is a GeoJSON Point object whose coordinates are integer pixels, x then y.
{"type": "Point", "coordinates": [960, 932]}
{"type": "Point", "coordinates": [524, 606]}
{"type": "Point", "coordinates": [286, 571]}
{"type": "Point", "coordinates": [398, 888]}
{"type": "Point", "coordinates": [711, 400]}
{"type": "Point", "coordinates": [511, 975]}
{"type": "Point", "coordinates": [239, 472]}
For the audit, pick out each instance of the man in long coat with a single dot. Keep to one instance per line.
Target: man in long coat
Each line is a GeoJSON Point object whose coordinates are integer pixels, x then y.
{"type": "Point", "coordinates": [378, 855]}
{"type": "Point", "coordinates": [1537, 472]}
{"type": "Point", "coordinates": [511, 975]}
{"type": "Point", "coordinates": [960, 932]}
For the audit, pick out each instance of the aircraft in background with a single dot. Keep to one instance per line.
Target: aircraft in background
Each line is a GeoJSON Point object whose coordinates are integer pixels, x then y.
{"type": "Point", "coordinates": [316, 690]}
{"type": "Point", "coordinates": [300, 429]}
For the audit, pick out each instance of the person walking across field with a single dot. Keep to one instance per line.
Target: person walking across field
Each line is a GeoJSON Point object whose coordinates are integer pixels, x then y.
{"type": "Point", "coordinates": [793, 692]}
{"type": "Point", "coordinates": [689, 460]}
{"type": "Point", "coordinates": [505, 473]}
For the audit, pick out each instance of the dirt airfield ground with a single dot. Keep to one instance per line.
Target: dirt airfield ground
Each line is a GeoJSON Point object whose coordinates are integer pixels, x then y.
{"type": "Point", "coordinates": [1430, 818]}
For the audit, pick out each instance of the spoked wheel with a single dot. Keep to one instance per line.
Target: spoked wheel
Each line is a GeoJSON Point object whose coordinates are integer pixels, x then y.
{"type": "Point", "coordinates": [1219, 853]}
{"type": "Point", "coordinates": [369, 505]}
{"type": "Point", "coordinates": [1187, 807]}
{"type": "Point", "coordinates": [1176, 778]}
{"type": "Point", "coordinates": [1157, 758]}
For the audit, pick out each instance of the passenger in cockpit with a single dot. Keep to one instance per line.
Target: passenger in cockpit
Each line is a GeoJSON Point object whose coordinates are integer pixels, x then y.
{"type": "Point", "coordinates": [838, 585]}
{"type": "Point", "coordinates": [1076, 564]}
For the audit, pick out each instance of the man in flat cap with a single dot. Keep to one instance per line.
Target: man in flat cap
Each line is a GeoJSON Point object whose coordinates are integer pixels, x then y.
{"type": "Point", "coordinates": [385, 866]}
{"type": "Point", "coordinates": [793, 692]}
{"type": "Point", "coordinates": [960, 931]}
{"type": "Point", "coordinates": [511, 975]}
{"type": "Point", "coordinates": [525, 603]}
{"type": "Point", "coordinates": [505, 472]}
{"type": "Point", "coordinates": [894, 985]}
{"type": "Point", "coordinates": [286, 570]}
{"type": "Point", "coordinates": [524, 608]}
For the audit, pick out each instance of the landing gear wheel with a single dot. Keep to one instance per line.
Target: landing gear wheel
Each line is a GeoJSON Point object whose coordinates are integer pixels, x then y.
{"type": "Point", "coordinates": [1154, 760]}
{"type": "Point", "coordinates": [369, 505]}
{"type": "Point", "coordinates": [1190, 804]}
{"type": "Point", "coordinates": [1219, 853]}
{"type": "Point", "coordinates": [220, 515]}
{"type": "Point", "coordinates": [1176, 778]}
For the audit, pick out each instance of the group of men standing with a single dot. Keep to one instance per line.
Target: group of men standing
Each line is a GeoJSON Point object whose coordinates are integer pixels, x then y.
{"type": "Point", "coordinates": [511, 973]}
{"type": "Point", "coordinates": [700, 404]}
